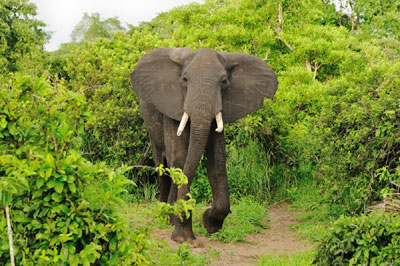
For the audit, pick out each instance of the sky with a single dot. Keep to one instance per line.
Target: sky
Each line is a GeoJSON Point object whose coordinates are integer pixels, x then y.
{"type": "Point", "coordinates": [61, 16]}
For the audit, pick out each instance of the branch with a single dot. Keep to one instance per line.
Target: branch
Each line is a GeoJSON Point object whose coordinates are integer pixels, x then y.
{"type": "Point", "coordinates": [308, 65]}
{"type": "Point", "coordinates": [144, 155]}
{"type": "Point", "coordinates": [43, 102]}
{"type": "Point", "coordinates": [54, 140]}
{"type": "Point", "coordinates": [279, 30]}
{"type": "Point", "coordinates": [266, 55]}
{"type": "Point", "coordinates": [316, 67]}
{"type": "Point", "coordinates": [138, 166]}
{"type": "Point", "coordinates": [10, 239]}
{"type": "Point", "coordinates": [287, 44]}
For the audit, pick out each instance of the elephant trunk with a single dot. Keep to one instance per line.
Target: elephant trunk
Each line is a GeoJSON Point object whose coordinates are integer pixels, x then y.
{"type": "Point", "coordinates": [202, 108]}
{"type": "Point", "coordinates": [199, 132]}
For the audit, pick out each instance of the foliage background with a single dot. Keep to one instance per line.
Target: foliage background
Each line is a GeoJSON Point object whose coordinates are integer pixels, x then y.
{"type": "Point", "coordinates": [332, 130]}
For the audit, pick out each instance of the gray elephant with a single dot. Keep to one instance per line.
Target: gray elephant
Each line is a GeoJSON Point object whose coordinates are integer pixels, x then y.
{"type": "Point", "coordinates": [185, 99]}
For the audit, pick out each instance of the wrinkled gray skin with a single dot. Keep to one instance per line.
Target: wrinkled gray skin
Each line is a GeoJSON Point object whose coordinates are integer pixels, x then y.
{"type": "Point", "coordinates": [202, 83]}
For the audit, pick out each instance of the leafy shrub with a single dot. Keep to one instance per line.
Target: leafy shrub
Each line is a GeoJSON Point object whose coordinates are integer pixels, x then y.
{"type": "Point", "coordinates": [22, 37]}
{"type": "Point", "coordinates": [115, 132]}
{"type": "Point", "coordinates": [372, 239]}
{"type": "Point", "coordinates": [200, 187]}
{"type": "Point", "coordinates": [101, 69]}
{"type": "Point", "coordinates": [63, 207]}
{"type": "Point", "coordinates": [359, 128]}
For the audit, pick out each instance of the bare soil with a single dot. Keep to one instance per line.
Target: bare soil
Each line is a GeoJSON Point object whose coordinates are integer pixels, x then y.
{"type": "Point", "coordinates": [279, 239]}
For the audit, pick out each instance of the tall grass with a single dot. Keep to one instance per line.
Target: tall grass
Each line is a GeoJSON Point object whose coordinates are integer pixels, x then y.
{"type": "Point", "coordinates": [251, 172]}
{"type": "Point", "coordinates": [301, 258]}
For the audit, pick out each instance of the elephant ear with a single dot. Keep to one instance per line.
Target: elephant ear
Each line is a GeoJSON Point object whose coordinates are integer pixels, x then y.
{"type": "Point", "coordinates": [156, 79]}
{"type": "Point", "coordinates": [251, 79]}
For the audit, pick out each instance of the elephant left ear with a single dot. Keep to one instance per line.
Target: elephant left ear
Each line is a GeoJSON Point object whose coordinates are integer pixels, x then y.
{"type": "Point", "coordinates": [250, 81]}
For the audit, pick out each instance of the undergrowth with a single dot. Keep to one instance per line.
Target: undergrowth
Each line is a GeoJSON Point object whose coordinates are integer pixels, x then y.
{"type": "Point", "coordinates": [247, 217]}
{"type": "Point", "coordinates": [160, 253]}
{"type": "Point", "coordinates": [315, 213]}
{"type": "Point", "coordinates": [301, 258]}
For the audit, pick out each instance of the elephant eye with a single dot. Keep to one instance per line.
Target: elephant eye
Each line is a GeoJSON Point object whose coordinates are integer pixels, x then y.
{"type": "Point", "coordinates": [224, 81]}
{"type": "Point", "coordinates": [184, 79]}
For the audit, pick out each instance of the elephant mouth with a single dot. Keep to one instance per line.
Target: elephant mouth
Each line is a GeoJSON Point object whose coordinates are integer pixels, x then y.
{"type": "Point", "coordinates": [185, 118]}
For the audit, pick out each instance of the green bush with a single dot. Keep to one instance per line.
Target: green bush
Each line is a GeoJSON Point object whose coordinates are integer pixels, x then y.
{"type": "Point", "coordinates": [372, 239]}
{"type": "Point", "coordinates": [115, 133]}
{"type": "Point", "coordinates": [63, 207]}
{"type": "Point", "coordinates": [200, 187]}
{"type": "Point", "coordinates": [358, 128]}
{"type": "Point", "coordinates": [22, 38]}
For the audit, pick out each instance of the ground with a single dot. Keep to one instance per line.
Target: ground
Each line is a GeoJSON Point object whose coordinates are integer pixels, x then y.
{"type": "Point", "coordinates": [278, 239]}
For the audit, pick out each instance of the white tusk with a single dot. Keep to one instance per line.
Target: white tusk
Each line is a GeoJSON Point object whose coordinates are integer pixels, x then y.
{"type": "Point", "coordinates": [182, 125]}
{"type": "Point", "coordinates": [220, 123]}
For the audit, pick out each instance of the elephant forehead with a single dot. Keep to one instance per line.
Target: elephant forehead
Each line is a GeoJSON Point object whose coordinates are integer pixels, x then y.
{"type": "Point", "coordinates": [206, 67]}
{"type": "Point", "coordinates": [206, 57]}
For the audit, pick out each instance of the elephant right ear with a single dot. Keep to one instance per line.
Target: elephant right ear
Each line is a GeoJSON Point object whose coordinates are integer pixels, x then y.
{"type": "Point", "coordinates": [156, 79]}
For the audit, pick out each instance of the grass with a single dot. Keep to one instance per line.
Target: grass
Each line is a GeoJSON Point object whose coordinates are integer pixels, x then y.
{"type": "Point", "coordinates": [160, 253]}
{"type": "Point", "coordinates": [247, 172]}
{"type": "Point", "coordinates": [164, 255]}
{"type": "Point", "coordinates": [315, 213]}
{"type": "Point", "coordinates": [247, 217]}
{"type": "Point", "coordinates": [301, 258]}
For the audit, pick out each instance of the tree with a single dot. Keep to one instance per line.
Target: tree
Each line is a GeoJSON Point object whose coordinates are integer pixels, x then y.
{"type": "Point", "coordinates": [379, 18]}
{"type": "Point", "coordinates": [92, 27]}
{"type": "Point", "coordinates": [21, 35]}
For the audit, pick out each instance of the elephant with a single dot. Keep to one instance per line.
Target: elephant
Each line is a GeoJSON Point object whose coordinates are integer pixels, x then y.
{"type": "Point", "coordinates": [185, 98]}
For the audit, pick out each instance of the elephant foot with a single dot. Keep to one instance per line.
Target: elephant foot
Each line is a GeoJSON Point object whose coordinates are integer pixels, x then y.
{"type": "Point", "coordinates": [171, 219]}
{"type": "Point", "coordinates": [180, 235]}
{"type": "Point", "coordinates": [213, 223]}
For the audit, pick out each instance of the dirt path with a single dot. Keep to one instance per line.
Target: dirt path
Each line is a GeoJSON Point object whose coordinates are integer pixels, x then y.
{"type": "Point", "coordinates": [278, 239]}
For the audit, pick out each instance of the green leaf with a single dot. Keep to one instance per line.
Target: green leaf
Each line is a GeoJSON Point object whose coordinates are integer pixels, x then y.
{"type": "Point", "coordinates": [49, 159]}
{"type": "Point", "coordinates": [57, 197]}
{"type": "Point", "coordinates": [22, 219]}
{"type": "Point", "coordinates": [3, 122]}
{"type": "Point", "coordinates": [72, 187]}
{"type": "Point", "coordinates": [48, 173]}
{"type": "Point", "coordinates": [39, 182]}
{"type": "Point", "coordinates": [24, 181]}
{"type": "Point", "coordinates": [64, 208]}
{"type": "Point", "coordinates": [59, 185]}
{"type": "Point", "coordinates": [51, 183]}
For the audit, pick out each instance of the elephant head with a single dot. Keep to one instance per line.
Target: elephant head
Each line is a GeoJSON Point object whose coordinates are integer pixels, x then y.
{"type": "Point", "coordinates": [202, 85]}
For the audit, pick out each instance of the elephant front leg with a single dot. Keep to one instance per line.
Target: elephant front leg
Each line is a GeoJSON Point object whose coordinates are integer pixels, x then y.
{"type": "Point", "coordinates": [213, 218]}
{"type": "Point", "coordinates": [183, 231]}
{"type": "Point", "coordinates": [176, 152]}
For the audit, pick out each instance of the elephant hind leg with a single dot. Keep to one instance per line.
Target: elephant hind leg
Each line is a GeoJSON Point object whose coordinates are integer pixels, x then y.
{"type": "Point", "coordinates": [154, 123]}
{"type": "Point", "coordinates": [213, 218]}
{"type": "Point", "coordinates": [164, 181]}
{"type": "Point", "coordinates": [165, 184]}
